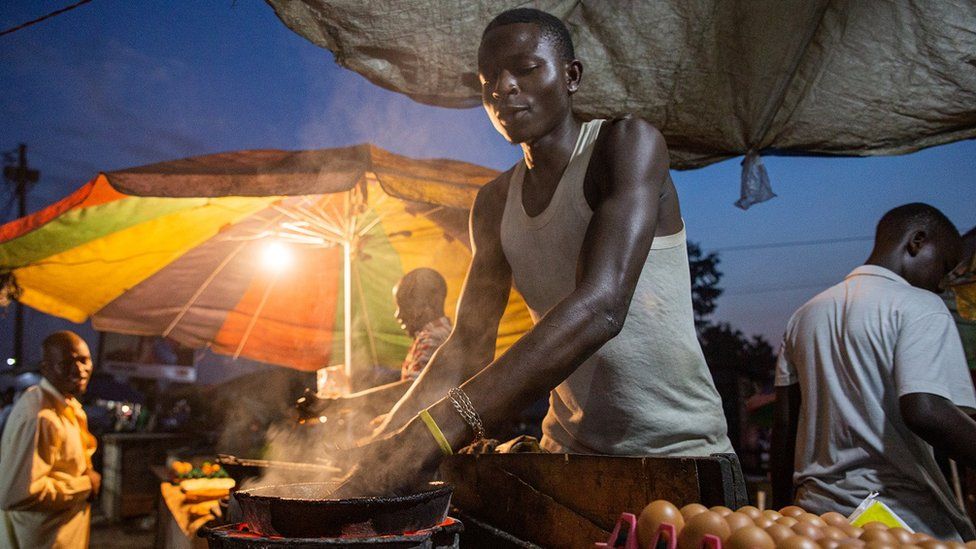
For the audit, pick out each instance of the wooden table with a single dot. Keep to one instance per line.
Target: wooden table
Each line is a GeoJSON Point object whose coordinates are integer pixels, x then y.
{"type": "Point", "coordinates": [176, 527]}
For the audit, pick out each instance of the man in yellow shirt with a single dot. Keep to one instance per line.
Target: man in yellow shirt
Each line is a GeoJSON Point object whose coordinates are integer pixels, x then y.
{"type": "Point", "coordinates": [46, 475]}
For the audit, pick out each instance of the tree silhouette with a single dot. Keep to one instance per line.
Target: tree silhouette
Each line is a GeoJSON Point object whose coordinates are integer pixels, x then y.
{"type": "Point", "coordinates": [705, 277]}
{"type": "Point", "coordinates": [742, 367]}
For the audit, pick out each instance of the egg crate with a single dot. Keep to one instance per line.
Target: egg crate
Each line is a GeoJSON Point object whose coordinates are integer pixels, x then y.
{"type": "Point", "coordinates": [624, 536]}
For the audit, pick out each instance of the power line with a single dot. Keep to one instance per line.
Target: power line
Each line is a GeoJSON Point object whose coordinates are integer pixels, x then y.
{"type": "Point", "coordinates": [771, 289]}
{"type": "Point", "coordinates": [793, 243]}
{"type": "Point", "coordinates": [43, 17]}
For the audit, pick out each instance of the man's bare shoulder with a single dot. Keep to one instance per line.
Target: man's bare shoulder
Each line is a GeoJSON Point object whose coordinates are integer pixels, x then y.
{"type": "Point", "coordinates": [629, 144]}
{"type": "Point", "coordinates": [631, 132]}
{"type": "Point", "coordinates": [491, 197]}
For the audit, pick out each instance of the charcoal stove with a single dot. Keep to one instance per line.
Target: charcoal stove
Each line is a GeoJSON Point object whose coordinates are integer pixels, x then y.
{"type": "Point", "coordinates": [239, 536]}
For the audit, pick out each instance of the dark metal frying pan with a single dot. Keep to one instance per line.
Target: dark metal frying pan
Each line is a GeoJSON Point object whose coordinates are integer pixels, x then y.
{"type": "Point", "coordinates": [304, 510]}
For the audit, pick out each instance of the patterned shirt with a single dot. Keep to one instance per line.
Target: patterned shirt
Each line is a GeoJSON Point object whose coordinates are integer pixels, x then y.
{"type": "Point", "coordinates": [428, 339]}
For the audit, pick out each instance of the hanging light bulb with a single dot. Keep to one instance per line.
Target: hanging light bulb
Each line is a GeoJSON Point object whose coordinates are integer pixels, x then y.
{"type": "Point", "coordinates": [276, 256]}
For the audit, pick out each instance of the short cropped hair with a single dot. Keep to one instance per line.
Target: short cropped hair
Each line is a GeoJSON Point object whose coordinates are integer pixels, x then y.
{"type": "Point", "coordinates": [549, 25]}
{"type": "Point", "coordinates": [58, 340]}
{"type": "Point", "coordinates": [424, 282]}
{"type": "Point", "coordinates": [916, 216]}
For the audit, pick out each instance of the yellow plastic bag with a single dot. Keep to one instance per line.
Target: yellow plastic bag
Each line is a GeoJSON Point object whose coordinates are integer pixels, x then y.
{"type": "Point", "coordinates": [874, 510]}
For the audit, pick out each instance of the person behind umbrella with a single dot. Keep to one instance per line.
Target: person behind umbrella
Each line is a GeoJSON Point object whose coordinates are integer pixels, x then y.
{"type": "Point", "coordinates": [46, 475]}
{"type": "Point", "coordinates": [589, 228]}
{"type": "Point", "coordinates": [871, 376]}
{"type": "Point", "coordinates": [419, 297]}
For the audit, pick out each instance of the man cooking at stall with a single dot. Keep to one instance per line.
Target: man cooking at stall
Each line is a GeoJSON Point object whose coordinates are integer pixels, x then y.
{"type": "Point", "coordinates": [588, 226]}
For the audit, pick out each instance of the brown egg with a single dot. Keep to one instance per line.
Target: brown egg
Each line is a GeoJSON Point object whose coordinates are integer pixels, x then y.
{"type": "Point", "coordinates": [833, 532]}
{"type": "Point", "coordinates": [691, 510]}
{"type": "Point", "coordinates": [934, 544]}
{"type": "Point", "coordinates": [721, 510]}
{"type": "Point", "coordinates": [808, 530]}
{"type": "Point", "coordinates": [764, 522]}
{"type": "Point", "coordinates": [749, 537]}
{"type": "Point", "coordinates": [779, 532]}
{"type": "Point", "coordinates": [700, 525]}
{"type": "Point", "coordinates": [874, 525]}
{"type": "Point", "coordinates": [797, 542]}
{"type": "Point", "coordinates": [791, 511]}
{"type": "Point", "coordinates": [904, 537]}
{"type": "Point", "coordinates": [852, 531]}
{"type": "Point", "coordinates": [920, 537]}
{"type": "Point", "coordinates": [827, 543]}
{"type": "Point", "coordinates": [812, 519]}
{"type": "Point", "coordinates": [753, 512]}
{"type": "Point", "coordinates": [738, 520]}
{"type": "Point", "coordinates": [971, 544]}
{"type": "Point", "coordinates": [956, 545]}
{"type": "Point", "coordinates": [834, 518]}
{"type": "Point", "coordinates": [653, 516]}
{"type": "Point", "coordinates": [876, 534]}
{"type": "Point", "coordinates": [786, 521]}
{"type": "Point", "coordinates": [773, 515]}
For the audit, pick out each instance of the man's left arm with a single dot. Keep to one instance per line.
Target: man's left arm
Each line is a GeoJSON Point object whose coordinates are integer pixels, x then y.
{"type": "Point", "coordinates": [783, 451]}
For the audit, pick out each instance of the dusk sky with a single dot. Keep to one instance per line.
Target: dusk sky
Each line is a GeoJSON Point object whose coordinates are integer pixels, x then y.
{"type": "Point", "coordinates": [115, 84]}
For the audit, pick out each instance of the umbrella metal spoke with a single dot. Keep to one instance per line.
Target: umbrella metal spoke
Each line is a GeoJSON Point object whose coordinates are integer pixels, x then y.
{"type": "Point", "coordinates": [254, 318]}
{"type": "Point", "coordinates": [312, 217]}
{"type": "Point", "coordinates": [206, 283]}
{"type": "Point", "coordinates": [375, 206]}
{"type": "Point", "coordinates": [393, 215]}
{"type": "Point", "coordinates": [332, 232]}
{"type": "Point", "coordinates": [332, 218]}
{"type": "Point", "coordinates": [369, 227]}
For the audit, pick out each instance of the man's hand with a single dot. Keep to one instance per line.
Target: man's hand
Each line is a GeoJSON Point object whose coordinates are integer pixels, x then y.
{"type": "Point", "coordinates": [398, 464]}
{"type": "Point", "coordinates": [96, 482]}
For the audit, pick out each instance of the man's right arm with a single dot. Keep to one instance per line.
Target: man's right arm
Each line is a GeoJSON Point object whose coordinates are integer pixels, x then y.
{"type": "Point", "coordinates": [471, 345]}
{"type": "Point", "coordinates": [942, 424]}
{"type": "Point", "coordinates": [931, 376]}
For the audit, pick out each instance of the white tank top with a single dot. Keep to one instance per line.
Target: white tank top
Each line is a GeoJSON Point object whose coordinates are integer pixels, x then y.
{"type": "Point", "coordinates": [648, 390]}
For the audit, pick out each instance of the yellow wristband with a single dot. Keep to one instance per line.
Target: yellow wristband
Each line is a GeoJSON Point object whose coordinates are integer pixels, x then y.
{"type": "Point", "coordinates": [435, 432]}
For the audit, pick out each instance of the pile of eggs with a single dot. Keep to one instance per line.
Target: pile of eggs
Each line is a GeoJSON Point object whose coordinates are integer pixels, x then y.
{"type": "Point", "coordinates": [789, 528]}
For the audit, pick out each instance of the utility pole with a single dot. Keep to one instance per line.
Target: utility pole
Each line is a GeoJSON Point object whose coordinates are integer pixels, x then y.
{"type": "Point", "coordinates": [20, 176]}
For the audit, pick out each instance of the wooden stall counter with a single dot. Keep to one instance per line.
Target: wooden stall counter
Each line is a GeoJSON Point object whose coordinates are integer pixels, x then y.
{"type": "Point", "coordinates": [181, 517]}
{"type": "Point", "coordinates": [571, 500]}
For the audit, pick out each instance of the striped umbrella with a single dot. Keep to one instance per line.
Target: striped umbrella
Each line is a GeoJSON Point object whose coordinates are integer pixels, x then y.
{"type": "Point", "coordinates": [283, 257]}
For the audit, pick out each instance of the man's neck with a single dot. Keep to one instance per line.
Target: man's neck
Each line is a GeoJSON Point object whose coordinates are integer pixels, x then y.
{"type": "Point", "coordinates": [425, 321]}
{"type": "Point", "coordinates": [888, 261]}
{"type": "Point", "coordinates": [552, 151]}
{"type": "Point", "coordinates": [51, 386]}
